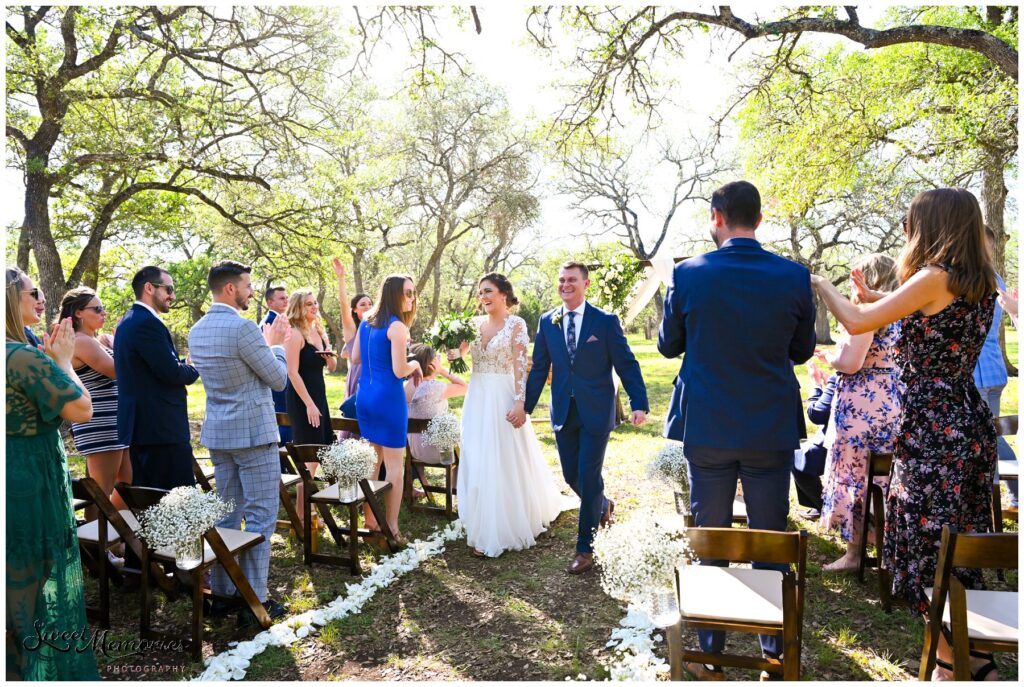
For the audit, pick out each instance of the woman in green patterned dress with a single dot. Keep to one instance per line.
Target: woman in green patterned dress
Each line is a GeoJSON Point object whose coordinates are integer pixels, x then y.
{"type": "Point", "coordinates": [47, 634]}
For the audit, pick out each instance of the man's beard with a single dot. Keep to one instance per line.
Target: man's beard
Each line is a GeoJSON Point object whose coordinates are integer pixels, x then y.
{"type": "Point", "coordinates": [241, 303]}
{"type": "Point", "coordinates": [714, 237]}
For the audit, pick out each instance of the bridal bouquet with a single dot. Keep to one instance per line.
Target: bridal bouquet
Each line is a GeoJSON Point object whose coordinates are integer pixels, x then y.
{"type": "Point", "coordinates": [669, 468]}
{"type": "Point", "coordinates": [450, 332]}
{"type": "Point", "coordinates": [179, 521]}
{"type": "Point", "coordinates": [443, 433]}
{"type": "Point", "coordinates": [347, 462]}
{"type": "Point", "coordinates": [639, 556]}
{"type": "Point", "coordinates": [614, 283]}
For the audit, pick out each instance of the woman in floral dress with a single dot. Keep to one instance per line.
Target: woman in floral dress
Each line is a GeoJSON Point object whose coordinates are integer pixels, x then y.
{"type": "Point", "coordinates": [865, 416]}
{"type": "Point", "coordinates": [945, 450]}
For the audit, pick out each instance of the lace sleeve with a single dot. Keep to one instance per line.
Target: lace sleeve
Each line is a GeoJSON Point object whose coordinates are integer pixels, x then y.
{"type": "Point", "coordinates": [520, 342]}
{"type": "Point", "coordinates": [37, 388]}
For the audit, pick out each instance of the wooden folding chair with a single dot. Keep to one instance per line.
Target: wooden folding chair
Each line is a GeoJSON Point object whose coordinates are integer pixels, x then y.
{"type": "Point", "coordinates": [221, 545]}
{"type": "Point", "coordinates": [971, 620]}
{"type": "Point", "coordinates": [417, 470]}
{"type": "Point", "coordinates": [95, 538]}
{"type": "Point", "coordinates": [742, 599]}
{"type": "Point", "coordinates": [329, 496]}
{"type": "Point", "coordinates": [1008, 471]}
{"type": "Point", "coordinates": [879, 465]}
{"type": "Point", "coordinates": [203, 474]}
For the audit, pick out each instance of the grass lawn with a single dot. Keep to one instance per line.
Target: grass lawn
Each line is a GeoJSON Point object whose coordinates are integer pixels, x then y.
{"type": "Point", "coordinates": [519, 616]}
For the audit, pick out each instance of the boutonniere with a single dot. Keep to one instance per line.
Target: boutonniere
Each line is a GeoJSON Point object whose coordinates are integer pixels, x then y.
{"type": "Point", "coordinates": [556, 319]}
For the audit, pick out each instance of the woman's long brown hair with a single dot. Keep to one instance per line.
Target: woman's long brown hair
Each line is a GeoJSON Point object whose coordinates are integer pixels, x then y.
{"type": "Point", "coordinates": [944, 227]}
{"type": "Point", "coordinates": [389, 302]}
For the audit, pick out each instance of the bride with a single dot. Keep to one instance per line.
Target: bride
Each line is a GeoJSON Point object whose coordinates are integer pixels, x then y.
{"type": "Point", "coordinates": [507, 495]}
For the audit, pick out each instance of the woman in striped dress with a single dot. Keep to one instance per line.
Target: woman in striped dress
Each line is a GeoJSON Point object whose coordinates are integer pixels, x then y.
{"type": "Point", "coordinates": [93, 362]}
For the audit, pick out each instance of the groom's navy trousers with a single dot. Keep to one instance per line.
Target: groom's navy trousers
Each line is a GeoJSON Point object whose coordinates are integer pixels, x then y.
{"type": "Point", "coordinates": [581, 453]}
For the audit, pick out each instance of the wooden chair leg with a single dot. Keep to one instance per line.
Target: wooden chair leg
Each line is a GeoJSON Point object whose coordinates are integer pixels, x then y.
{"type": "Point", "coordinates": [237, 577]}
{"type": "Point", "coordinates": [958, 631]}
{"type": "Point", "coordinates": [145, 595]}
{"type": "Point", "coordinates": [290, 510]}
{"type": "Point", "coordinates": [997, 507]}
{"type": "Point", "coordinates": [449, 505]}
{"type": "Point", "coordinates": [790, 631]}
{"type": "Point", "coordinates": [104, 575]}
{"type": "Point", "coordinates": [862, 562]}
{"type": "Point", "coordinates": [307, 530]}
{"type": "Point", "coordinates": [197, 615]}
{"type": "Point", "coordinates": [353, 538]}
{"type": "Point", "coordinates": [378, 513]}
{"type": "Point", "coordinates": [884, 581]}
{"type": "Point", "coordinates": [929, 652]}
{"type": "Point", "coordinates": [674, 637]}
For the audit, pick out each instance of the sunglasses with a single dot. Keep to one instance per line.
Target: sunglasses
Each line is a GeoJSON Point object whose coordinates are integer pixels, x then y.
{"type": "Point", "coordinates": [34, 293]}
{"type": "Point", "coordinates": [410, 294]}
{"type": "Point", "coordinates": [98, 308]}
{"type": "Point", "coordinates": [158, 284]}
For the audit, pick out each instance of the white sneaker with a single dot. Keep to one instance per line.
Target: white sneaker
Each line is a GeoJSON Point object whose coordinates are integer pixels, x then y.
{"type": "Point", "coordinates": [115, 560]}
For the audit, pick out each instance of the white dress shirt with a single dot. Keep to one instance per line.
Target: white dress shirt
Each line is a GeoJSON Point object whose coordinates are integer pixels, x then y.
{"type": "Point", "coordinates": [578, 321]}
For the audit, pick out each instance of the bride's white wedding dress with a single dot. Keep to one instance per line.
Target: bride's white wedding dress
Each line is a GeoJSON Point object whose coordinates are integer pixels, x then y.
{"type": "Point", "coordinates": [507, 495]}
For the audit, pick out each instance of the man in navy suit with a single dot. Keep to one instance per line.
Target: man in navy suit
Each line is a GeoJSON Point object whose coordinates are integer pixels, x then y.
{"type": "Point", "coordinates": [743, 317]}
{"type": "Point", "coordinates": [152, 413]}
{"type": "Point", "coordinates": [581, 344]}
{"type": "Point", "coordinates": [277, 302]}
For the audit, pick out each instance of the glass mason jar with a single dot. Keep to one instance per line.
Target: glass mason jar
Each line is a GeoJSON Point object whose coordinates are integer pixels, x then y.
{"type": "Point", "coordinates": [189, 553]}
{"type": "Point", "coordinates": [348, 491]}
{"type": "Point", "coordinates": [448, 456]}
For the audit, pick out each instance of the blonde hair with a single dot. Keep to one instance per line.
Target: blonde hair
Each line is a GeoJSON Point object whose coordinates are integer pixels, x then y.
{"type": "Point", "coordinates": [944, 227]}
{"type": "Point", "coordinates": [296, 304]}
{"type": "Point", "coordinates": [879, 275]}
{"type": "Point", "coordinates": [15, 322]}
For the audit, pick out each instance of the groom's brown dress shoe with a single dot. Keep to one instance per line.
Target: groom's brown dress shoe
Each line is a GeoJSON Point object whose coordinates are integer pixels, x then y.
{"type": "Point", "coordinates": [703, 672]}
{"type": "Point", "coordinates": [606, 517]}
{"type": "Point", "coordinates": [581, 564]}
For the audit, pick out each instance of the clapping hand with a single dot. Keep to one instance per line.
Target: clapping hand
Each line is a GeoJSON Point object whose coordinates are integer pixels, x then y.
{"type": "Point", "coordinates": [1008, 299]}
{"type": "Point", "coordinates": [60, 343]}
{"type": "Point", "coordinates": [817, 375]}
{"type": "Point", "coordinates": [861, 292]}
{"type": "Point", "coordinates": [277, 333]}
{"type": "Point", "coordinates": [820, 355]}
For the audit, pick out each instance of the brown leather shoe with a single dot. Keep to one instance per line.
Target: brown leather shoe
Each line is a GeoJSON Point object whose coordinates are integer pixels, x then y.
{"type": "Point", "coordinates": [606, 517]}
{"type": "Point", "coordinates": [581, 564]}
{"type": "Point", "coordinates": [702, 672]}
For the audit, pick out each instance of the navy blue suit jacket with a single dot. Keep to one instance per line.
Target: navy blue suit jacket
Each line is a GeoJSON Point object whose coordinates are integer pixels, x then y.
{"type": "Point", "coordinates": [742, 316]}
{"type": "Point", "coordinates": [602, 346]}
{"type": "Point", "coordinates": [151, 398]}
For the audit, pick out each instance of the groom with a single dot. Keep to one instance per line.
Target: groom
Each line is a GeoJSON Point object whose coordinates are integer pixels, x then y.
{"type": "Point", "coordinates": [582, 344]}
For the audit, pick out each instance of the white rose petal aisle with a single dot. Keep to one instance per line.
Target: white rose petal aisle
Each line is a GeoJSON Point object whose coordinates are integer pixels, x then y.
{"type": "Point", "coordinates": [232, 664]}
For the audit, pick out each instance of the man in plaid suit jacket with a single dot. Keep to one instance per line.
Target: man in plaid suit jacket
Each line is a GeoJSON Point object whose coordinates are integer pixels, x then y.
{"type": "Point", "coordinates": [239, 366]}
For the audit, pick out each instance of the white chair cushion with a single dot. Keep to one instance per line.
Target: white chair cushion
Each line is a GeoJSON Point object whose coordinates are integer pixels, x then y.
{"type": "Point", "coordinates": [1008, 470]}
{"type": "Point", "coordinates": [207, 471]}
{"type": "Point", "coordinates": [332, 493]}
{"type": "Point", "coordinates": [90, 531]}
{"type": "Point", "coordinates": [288, 479]}
{"type": "Point", "coordinates": [990, 615]}
{"type": "Point", "coordinates": [79, 504]}
{"type": "Point", "coordinates": [736, 594]}
{"type": "Point", "coordinates": [235, 540]}
{"type": "Point", "coordinates": [739, 509]}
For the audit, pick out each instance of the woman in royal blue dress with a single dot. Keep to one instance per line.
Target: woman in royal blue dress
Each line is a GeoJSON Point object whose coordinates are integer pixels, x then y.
{"type": "Point", "coordinates": [383, 416]}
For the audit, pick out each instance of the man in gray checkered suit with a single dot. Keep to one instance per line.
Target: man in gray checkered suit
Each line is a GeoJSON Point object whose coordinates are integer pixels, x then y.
{"type": "Point", "coordinates": [239, 366]}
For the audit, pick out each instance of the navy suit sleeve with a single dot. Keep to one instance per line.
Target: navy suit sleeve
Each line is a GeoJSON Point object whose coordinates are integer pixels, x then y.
{"type": "Point", "coordinates": [819, 405]}
{"type": "Point", "coordinates": [801, 348]}
{"type": "Point", "coordinates": [672, 334]}
{"type": "Point", "coordinates": [626, 366]}
{"type": "Point", "coordinates": [539, 372]}
{"type": "Point", "coordinates": [152, 346]}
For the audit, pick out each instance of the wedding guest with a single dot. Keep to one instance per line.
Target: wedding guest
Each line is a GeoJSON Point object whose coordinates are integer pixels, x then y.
{"type": "Point", "coordinates": [277, 302]}
{"type": "Point", "coordinates": [308, 353]}
{"type": "Point", "coordinates": [865, 416]}
{"type": "Point", "coordinates": [809, 461]}
{"type": "Point", "coordinates": [45, 589]}
{"type": "Point", "coordinates": [380, 404]}
{"type": "Point", "coordinates": [352, 313]}
{"type": "Point", "coordinates": [990, 372]}
{"type": "Point", "coordinates": [430, 398]}
{"type": "Point", "coordinates": [106, 457]}
{"type": "Point", "coordinates": [1008, 299]}
{"type": "Point", "coordinates": [945, 450]}
{"type": "Point", "coordinates": [240, 366]}
{"type": "Point", "coordinates": [152, 410]}
{"type": "Point", "coordinates": [33, 306]}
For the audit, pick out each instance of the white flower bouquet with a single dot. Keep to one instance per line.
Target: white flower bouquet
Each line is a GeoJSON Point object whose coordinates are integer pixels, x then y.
{"type": "Point", "coordinates": [443, 432]}
{"type": "Point", "coordinates": [670, 468]}
{"type": "Point", "coordinates": [347, 462]}
{"type": "Point", "coordinates": [181, 518]}
{"type": "Point", "coordinates": [614, 282]}
{"type": "Point", "coordinates": [449, 333]}
{"type": "Point", "coordinates": [639, 556]}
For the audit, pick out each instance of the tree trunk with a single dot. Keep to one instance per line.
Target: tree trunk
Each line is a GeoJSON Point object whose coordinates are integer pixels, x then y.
{"type": "Point", "coordinates": [993, 198]}
{"type": "Point", "coordinates": [37, 220]}
{"type": "Point", "coordinates": [822, 331]}
{"type": "Point", "coordinates": [24, 247]}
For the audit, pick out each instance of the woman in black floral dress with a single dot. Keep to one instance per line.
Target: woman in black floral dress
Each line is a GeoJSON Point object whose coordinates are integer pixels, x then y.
{"type": "Point", "coordinates": [946, 447]}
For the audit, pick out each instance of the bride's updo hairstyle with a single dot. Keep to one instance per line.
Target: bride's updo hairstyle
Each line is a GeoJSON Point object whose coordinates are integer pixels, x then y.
{"type": "Point", "coordinates": [503, 285]}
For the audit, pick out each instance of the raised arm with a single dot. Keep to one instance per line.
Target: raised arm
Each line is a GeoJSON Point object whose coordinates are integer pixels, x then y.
{"type": "Point", "coordinates": [922, 291]}
{"type": "Point", "coordinates": [348, 323]}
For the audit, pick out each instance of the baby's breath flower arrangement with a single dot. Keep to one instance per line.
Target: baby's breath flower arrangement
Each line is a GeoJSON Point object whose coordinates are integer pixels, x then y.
{"type": "Point", "coordinates": [443, 433]}
{"type": "Point", "coordinates": [614, 282]}
{"type": "Point", "coordinates": [669, 468]}
{"type": "Point", "coordinates": [640, 555]}
{"type": "Point", "coordinates": [450, 332]}
{"type": "Point", "coordinates": [347, 462]}
{"type": "Point", "coordinates": [181, 518]}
